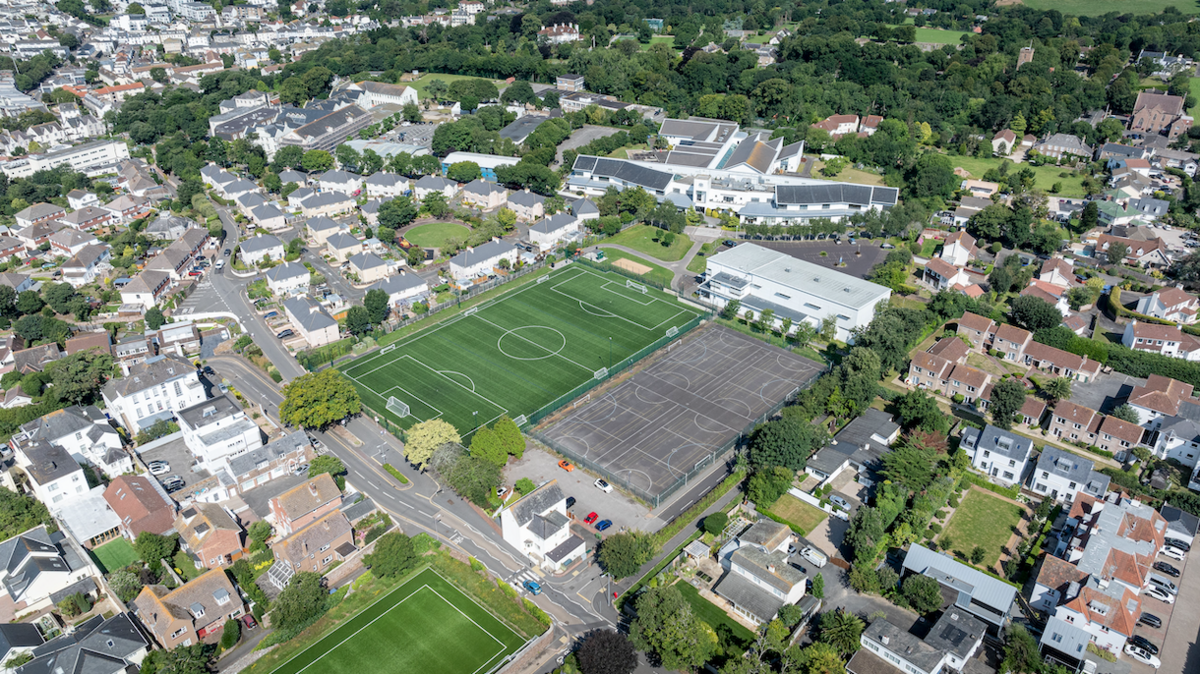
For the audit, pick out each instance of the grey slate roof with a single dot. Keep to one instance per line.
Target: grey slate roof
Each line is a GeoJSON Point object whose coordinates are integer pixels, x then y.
{"type": "Point", "coordinates": [482, 187]}
{"type": "Point", "coordinates": [321, 223]}
{"type": "Point", "coordinates": [484, 252]}
{"type": "Point", "coordinates": [749, 597]}
{"type": "Point", "coordinates": [342, 241]}
{"type": "Point", "coordinates": [97, 646]}
{"type": "Point", "coordinates": [753, 559]}
{"type": "Point", "coordinates": [286, 271]}
{"type": "Point", "coordinates": [526, 199]}
{"type": "Point", "coordinates": [366, 261]}
{"type": "Point", "coordinates": [257, 244]}
{"type": "Point", "coordinates": [996, 441]}
{"type": "Point", "coordinates": [384, 179]}
{"type": "Point", "coordinates": [553, 223]}
{"type": "Point", "coordinates": [434, 183]}
{"type": "Point", "coordinates": [341, 177]}
{"type": "Point", "coordinates": [900, 642]}
{"type": "Point", "coordinates": [536, 502]}
{"type": "Point", "coordinates": [293, 177]}
{"type": "Point", "coordinates": [244, 463]}
{"type": "Point", "coordinates": [566, 547]}
{"type": "Point", "coordinates": [956, 632]}
{"type": "Point", "coordinates": [584, 207]}
{"type": "Point", "coordinates": [1075, 468]}
{"type": "Point", "coordinates": [266, 212]}
{"type": "Point", "coordinates": [18, 635]}
{"type": "Point", "coordinates": [326, 199]}
{"type": "Point", "coordinates": [148, 374]}
{"type": "Point", "coordinates": [1179, 521]}
{"type": "Point", "coordinates": [303, 309]}
{"type": "Point", "coordinates": [398, 283]}
{"type": "Point", "coordinates": [863, 441]}
{"type": "Point", "coordinates": [545, 526]}
{"type": "Point", "coordinates": [358, 510]}
{"type": "Point", "coordinates": [49, 462]}
{"type": "Point", "coordinates": [521, 127]}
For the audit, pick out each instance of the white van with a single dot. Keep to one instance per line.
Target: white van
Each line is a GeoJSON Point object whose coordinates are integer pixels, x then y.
{"type": "Point", "coordinates": [814, 556]}
{"type": "Point", "coordinates": [220, 265]}
{"type": "Point", "coordinates": [1163, 584]}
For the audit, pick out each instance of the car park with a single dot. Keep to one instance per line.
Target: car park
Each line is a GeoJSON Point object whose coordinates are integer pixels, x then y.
{"type": "Point", "coordinates": [1163, 584]}
{"type": "Point", "coordinates": [590, 518]}
{"type": "Point", "coordinates": [533, 587]}
{"type": "Point", "coordinates": [1160, 594]}
{"type": "Point", "coordinates": [159, 467]}
{"type": "Point", "coordinates": [1144, 643]}
{"type": "Point", "coordinates": [1174, 553]}
{"type": "Point", "coordinates": [1163, 567]}
{"type": "Point", "coordinates": [173, 484]}
{"type": "Point", "coordinates": [603, 524]}
{"type": "Point", "coordinates": [566, 465]}
{"type": "Point", "coordinates": [603, 486]}
{"type": "Point", "coordinates": [1142, 656]}
{"type": "Point", "coordinates": [1150, 620]}
{"type": "Point", "coordinates": [1176, 543]}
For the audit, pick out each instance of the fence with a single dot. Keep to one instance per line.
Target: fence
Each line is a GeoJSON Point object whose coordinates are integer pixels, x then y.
{"type": "Point", "coordinates": [700, 466]}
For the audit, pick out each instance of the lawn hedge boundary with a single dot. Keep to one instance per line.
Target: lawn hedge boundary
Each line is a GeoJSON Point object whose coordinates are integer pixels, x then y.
{"type": "Point", "coordinates": [1010, 492]}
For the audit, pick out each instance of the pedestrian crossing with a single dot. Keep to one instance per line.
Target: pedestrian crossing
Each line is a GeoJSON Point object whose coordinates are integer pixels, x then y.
{"type": "Point", "coordinates": [517, 581]}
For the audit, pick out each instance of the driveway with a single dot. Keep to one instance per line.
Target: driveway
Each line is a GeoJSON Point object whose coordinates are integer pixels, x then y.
{"type": "Point", "coordinates": [1104, 392]}
{"type": "Point", "coordinates": [176, 453]}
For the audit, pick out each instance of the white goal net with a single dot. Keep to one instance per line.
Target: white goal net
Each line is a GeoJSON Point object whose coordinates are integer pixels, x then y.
{"type": "Point", "coordinates": [397, 407]}
{"type": "Point", "coordinates": [637, 286]}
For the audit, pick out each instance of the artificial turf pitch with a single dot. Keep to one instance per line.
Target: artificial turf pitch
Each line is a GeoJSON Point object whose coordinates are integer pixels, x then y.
{"type": "Point", "coordinates": [519, 353]}
{"type": "Point", "coordinates": [425, 626]}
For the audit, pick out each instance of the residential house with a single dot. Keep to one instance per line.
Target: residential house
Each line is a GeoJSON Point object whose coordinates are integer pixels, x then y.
{"type": "Point", "coordinates": [999, 454]}
{"type": "Point", "coordinates": [289, 278]}
{"type": "Point", "coordinates": [1061, 363]}
{"type": "Point", "coordinates": [191, 613]}
{"type": "Point", "coordinates": [1058, 272]}
{"type": "Point", "coordinates": [35, 358]}
{"type": "Point", "coordinates": [1151, 253]}
{"type": "Point", "coordinates": [484, 195]}
{"type": "Point", "coordinates": [760, 579]}
{"type": "Point", "coordinates": [1074, 423]}
{"type": "Point", "coordinates": [1166, 340]}
{"type": "Point", "coordinates": [383, 184]}
{"type": "Point", "coordinates": [1003, 141]}
{"type": "Point", "coordinates": [1171, 304]}
{"type": "Point", "coordinates": [537, 525]}
{"type": "Point", "coordinates": [179, 338]}
{"type": "Point", "coordinates": [941, 275]}
{"type": "Point", "coordinates": [1161, 397]}
{"type": "Point", "coordinates": [327, 203]}
{"type": "Point", "coordinates": [210, 535]}
{"type": "Point", "coordinates": [987, 598]}
{"type": "Point", "coordinates": [39, 569]}
{"type": "Point", "coordinates": [838, 125]}
{"type": "Point", "coordinates": [480, 260]}
{"type": "Point", "coordinates": [176, 258]}
{"type": "Point", "coordinates": [1064, 476]}
{"type": "Point", "coordinates": [261, 248]}
{"type": "Point", "coordinates": [340, 181]}
{"type": "Point", "coordinates": [40, 212]}
{"type": "Point", "coordinates": [272, 461]}
{"type": "Point", "coordinates": [860, 445]}
{"type": "Point", "coordinates": [953, 641]}
{"type": "Point", "coordinates": [429, 184]}
{"type": "Point", "coordinates": [341, 247]}
{"type": "Point", "coordinates": [86, 266]}
{"type": "Point", "coordinates": [321, 228]}
{"type": "Point", "coordinates": [368, 267]}
{"type": "Point", "coordinates": [552, 231]}
{"type": "Point", "coordinates": [98, 645]}
{"type": "Point", "coordinates": [132, 350]}
{"type": "Point", "coordinates": [1064, 146]}
{"type": "Point", "coordinates": [311, 321]}
{"type": "Point", "coordinates": [979, 330]}
{"type": "Point", "coordinates": [585, 209]}
{"type": "Point", "coordinates": [959, 249]}
{"type": "Point", "coordinates": [1118, 436]}
{"type": "Point", "coordinates": [269, 217]}
{"type": "Point", "coordinates": [85, 432]}
{"type": "Point", "coordinates": [942, 369]}
{"type": "Point", "coordinates": [304, 504]}
{"type": "Point", "coordinates": [216, 428]}
{"type": "Point", "coordinates": [153, 390]}
{"type": "Point", "coordinates": [528, 206]}
{"type": "Point", "coordinates": [312, 548]}
{"type": "Point", "coordinates": [141, 504]}
{"type": "Point", "coordinates": [403, 289]}
{"type": "Point", "coordinates": [145, 290]}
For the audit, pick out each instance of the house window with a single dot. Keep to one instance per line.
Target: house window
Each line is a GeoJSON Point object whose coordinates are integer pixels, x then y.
{"type": "Point", "coordinates": [1012, 464]}
{"type": "Point", "coordinates": [1072, 485]}
{"type": "Point", "coordinates": [326, 560]}
{"type": "Point", "coordinates": [178, 632]}
{"type": "Point", "coordinates": [323, 548]}
{"type": "Point", "coordinates": [986, 454]}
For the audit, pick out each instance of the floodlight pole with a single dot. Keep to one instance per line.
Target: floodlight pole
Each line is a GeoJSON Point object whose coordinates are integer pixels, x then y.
{"type": "Point", "coordinates": [610, 351]}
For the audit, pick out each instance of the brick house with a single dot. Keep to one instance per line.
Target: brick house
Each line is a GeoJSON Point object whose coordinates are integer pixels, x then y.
{"type": "Point", "coordinates": [141, 504]}
{"type": "Point", "coordinates": [305, 504]}
{"type": "Point", "coordinates": [1159, 113]}
{"type": "Point", "coordinates": [190, 614]}
{"type": "Point", "coordinates": [313, 548]}
{"type": "Point", "coordinates": [1117, 435]}
{"type": "Point", "coordinates": [941, 369]}
{"type": "Point", "coordinates": [979, 330]}
{"type": "Point", "coordinates": [1075, 423]}
{"type": "Point", "coordinates": [1012, 341]}
{"type": "Point", "coordinates": [1061, 363]}
{"type": "Point", "coordinates": [210, 535]}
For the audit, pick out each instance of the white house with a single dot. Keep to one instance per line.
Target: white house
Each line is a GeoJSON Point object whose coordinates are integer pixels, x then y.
{"type": "Point", "coordinates": [941, 275]}
{"type": "Point", "coordinates": [403, 289]}
{"type": "Point", "coordinates": [760, 579]}
{"type": "Point", "coordinates": [217, 428]}
{"type": "Point", "coordinates": [761, 278]}
{"type": "Point", "coordinates": [479, 260]}
{"type": "Point", "coordinates": [1166, 340]}
{"type": "Point", "coordinates": [86, 433]}
{"type": "Point", "coordinates": [153, 390]}
{"type": "Point", "coordinates": [385, 184]}
{"type": "Point", "coordinates": [311, 321]}
{"type": "Point", "coordinates": [321, 228]}
{"type": "Point", "coordinates": [953, 640]}
{"type": "Point", "coordinates": [538, 526]}
{"type": "Point", "coordinates": [1062, 476]}
{"type": "Point", "coordinates": [549, 232]}
{"type": "Point", "coordinates": [289, 278]}
{"type": "Point", "coordinates": [268, 216]}
{"type": "Point", "coordinates": [259, 248]}
{"type": "Point", "coordinates": [327, 203]}
{"type": "Point", "coordinates": [54, 475]}
{"type": "Point", "coordinates": [1171, 304]}
{"type": "Point", "coordinates": [381, 93]}
{"type": "Point", "coordinates": [959, 248]}
{"type": "Point", "coordinates": [342, 247]}
{"type": "Point", "coordinates": [430, 184]}
{"type": "Point", "coordinates": [38, 566]}
{"type": "Point", "coordinates": [340, 181]}
{"type": "Point", "coordinates": [1160, 399]}
{"type": "Point", "coordinates": [1000, 455]}
{"type": "Point", "coordinates": [145, 289]}
{"type": "Point", "coordinates": [369, 267]}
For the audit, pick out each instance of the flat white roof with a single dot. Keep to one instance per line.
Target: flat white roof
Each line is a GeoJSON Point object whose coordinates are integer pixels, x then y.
{"type": "Point", "coordinates": [817, 281]}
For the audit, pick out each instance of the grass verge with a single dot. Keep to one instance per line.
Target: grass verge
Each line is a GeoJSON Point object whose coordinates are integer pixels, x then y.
{"type": "Point", "coordinates": [699, 263]}
{"type": "Point", "coordinates": [799, 515]}
{"type": "Point", "coordinates": [395, 473]}
{"type": "Point", "coordinates": [648, 240]}
{"type": "Point", "coordinates": [715, 617]}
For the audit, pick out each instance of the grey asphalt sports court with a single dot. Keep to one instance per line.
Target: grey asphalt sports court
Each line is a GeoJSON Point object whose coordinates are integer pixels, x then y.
{"type": "Point", "coordinates": [669, 419]}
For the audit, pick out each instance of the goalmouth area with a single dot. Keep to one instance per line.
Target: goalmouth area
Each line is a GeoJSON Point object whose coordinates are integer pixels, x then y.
{"type": "Point", "coordinates": [522, 354]}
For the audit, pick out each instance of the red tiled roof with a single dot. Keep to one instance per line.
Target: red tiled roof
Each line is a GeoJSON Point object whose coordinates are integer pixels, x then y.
{"type": "Point", "coordinates": [950, 348]}
{"type": "Point", "coordinates": [976, 322]}
{"type": "Point", "coordinates": [1075, 414]}
{"type": "Point", "coordinates": [1012, 333]}
{"type": "Point", "coordinates": [1174, 296]}
{"type": "Point", "coordinates": [942, 268]}
{"type": "Point", "coordinates": [1121, 430]}
{"type": "Point", "coordinates": [1101, 609]}
{"type": "Point", "coordinates": [931, 363]}
{"type": "Point", "coordinates": [1161, 394]}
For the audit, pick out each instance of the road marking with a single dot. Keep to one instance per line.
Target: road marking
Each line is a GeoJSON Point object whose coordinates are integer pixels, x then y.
{"type": "Point", "coordinates": [405, 504]}
{"type": "Point", "coordinates": [425, 513]}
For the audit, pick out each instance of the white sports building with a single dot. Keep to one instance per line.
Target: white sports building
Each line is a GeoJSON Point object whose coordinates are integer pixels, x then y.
{"type": "Point", "coordinates": [761, 278]}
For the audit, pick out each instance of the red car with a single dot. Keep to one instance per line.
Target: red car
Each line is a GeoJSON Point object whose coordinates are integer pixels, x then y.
{"type": "Point", "coordinates": [590, 518]}
{"type": "Point", "coordinates": [248, 621]}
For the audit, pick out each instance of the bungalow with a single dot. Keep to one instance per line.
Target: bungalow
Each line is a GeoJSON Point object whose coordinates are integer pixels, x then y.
{"type": "Point", "coordinates": [860, 445]}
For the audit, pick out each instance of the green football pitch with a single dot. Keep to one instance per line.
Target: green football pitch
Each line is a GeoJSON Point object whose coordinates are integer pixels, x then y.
{"type": "Point", "coordinates": [425, 626]}
{"type": "Point", "coordinates": [519, 353]}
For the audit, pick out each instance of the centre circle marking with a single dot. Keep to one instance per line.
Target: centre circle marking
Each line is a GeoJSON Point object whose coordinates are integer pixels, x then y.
{"type": "Point", "coordinates": [515, 333]}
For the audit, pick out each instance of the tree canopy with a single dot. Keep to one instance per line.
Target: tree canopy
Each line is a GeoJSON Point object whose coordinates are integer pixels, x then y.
{"type": "Point", "coordinates": [318, 399]}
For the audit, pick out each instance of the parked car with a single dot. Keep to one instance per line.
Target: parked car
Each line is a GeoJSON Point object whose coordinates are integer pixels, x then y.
{"type": "Point", "coordinates": [533, 587]}
{"type": "Point", "coordinates": [1163, 567]}
{"type": "Point", "coordinates": [730, 242]}
{"type": "Point", "coordinates": [1176, 543]}
{"type": "Point", "coordinates": [1142, 642]}
{"type": "Point", "coordinates": [1150, 620]}
{"type": "Point", "coordinates": [815, 557]}
{"type": "Point", "coordinates": [566, 465]}
{"type": "Point", "coordinates": [223, 387]}
{"type": "Point", "coordinates": [1163, 584]}
{"type": "Point", "coordinates": [1142, 656]}
{"type": "Point", "coordinates": [590, 518]}
{"type": "Point", "coordinates": [603, 524]}
{"type": "Point", "coordinates": [271, 314]}
{"type": "Point", "coordinates": [249, 622]}
{"type": "Point", "coordinates": [603, 486]}
{"type": "Point", "coordinates": [286, 333]}
{"type": "Point", "coordinates": [839, 502]}
{"type": "Point", "coordinates": [1174, 553]}
{"type": "Point", "coordinates": [226, 252]}
{"type": "Point", "coordinates": [570, 502]}
{"type": "Point", "coordinates": [173, 484]}
{"type": "Point", "coordinates": [1160, 594]}
{"type": "Point", "coordinates": [159, 467]}
{"type": "Point", "coordinates": [301, 470]}
{"type": "Point", "coordinates": [195, 272]}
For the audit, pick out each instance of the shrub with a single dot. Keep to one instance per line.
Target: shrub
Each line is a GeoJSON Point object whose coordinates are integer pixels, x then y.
{"type": "Point", "coordinates": [864, 579]}
{"type": "Point", "coordinates": [715, 523]}
{"type": "Point", "coordinates": [954, 501]}
{"type": "Point", "coordinates": [996, 247]}
{"type": "Point", "coordinates": [958, 398]}
{"type": "Point", "coordinates": [935, 528]}
{"type": "Point", "coordinates": [525, 485]}
{"type": "Point", "coordinates": [230, 634]}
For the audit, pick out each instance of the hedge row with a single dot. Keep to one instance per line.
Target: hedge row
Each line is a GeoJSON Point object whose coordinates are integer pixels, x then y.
{"type": "Point", "coordinates": [1119, 310]}
{"type": "Point", "coordinates": [1011, 492]}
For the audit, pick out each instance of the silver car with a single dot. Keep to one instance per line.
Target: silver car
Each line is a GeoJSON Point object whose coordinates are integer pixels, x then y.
{"type": "Point", "coordinates": [840, 502]}
{"type": "Point", "coordinates": [158, 467]}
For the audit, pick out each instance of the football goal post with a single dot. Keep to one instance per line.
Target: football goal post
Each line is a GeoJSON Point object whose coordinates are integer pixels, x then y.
{"type": "Point", "coordinates": [637, 286]}
{"type": "Point", "coordinates": [397, 407]}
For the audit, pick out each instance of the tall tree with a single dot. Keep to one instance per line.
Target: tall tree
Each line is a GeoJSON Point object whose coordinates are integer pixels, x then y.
{"type": "Point", "coordinates": [1035, 313]}
{"type": "Point", "coordinates": [607, 651]}
{"type": "Point", "coordinates": [423, 438]}
{"type": "Point", "coordinates": [318, 399]}
{"type": "Point", "coordinates": [376, 303]}
{"type": "Point", "coordinates": [841, 629]}
{"type": "Point", "coordinates": [667, 627]}
{"type": "Point", "coordinates": [394, 556]}
{"type": "Point", "coordinates": [301, 602]}
{"type": "Point", "coordinates": [1008, 396]}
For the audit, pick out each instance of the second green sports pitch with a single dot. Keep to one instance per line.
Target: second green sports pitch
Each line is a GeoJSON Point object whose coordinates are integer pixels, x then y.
{"type": "Point", "coordinates": [425, 626]}
{"type": "Point", "coordinates": [518, 353]}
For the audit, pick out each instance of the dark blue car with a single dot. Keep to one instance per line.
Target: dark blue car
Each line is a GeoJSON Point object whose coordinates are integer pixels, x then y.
{"type": "Point", "coordinates": [603, 524]}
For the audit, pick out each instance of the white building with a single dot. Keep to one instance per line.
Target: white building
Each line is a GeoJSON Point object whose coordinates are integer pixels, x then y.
{"type": "Point", "coordinates": [953, 640]}
{"type": "Point", "coordinates": [340, 181]}
{"type": "Point", "coordinates": [1000, 455]}
{"type": "Point", "coordinates": [153, 390]}
{"type": "Point", "coordinates": [1171, 304]}
{"type": "Point", "coordinates": [39, 565]}
{"type": "Point", "coordinates": [549, 232]}
{"type": "Point", "coordinates": [311, 321]}
{"type": "Point", "coordinates": [93, 159]}
{"type": "Point", "coordinates": [289, 278]}
{"type": "Point", "coordinates": [959, 248]}
{"type": "Point", "coordinates": [430, 184]}
{"type": "Point", "coordinates": [760, 279]}
{"type": "Point", "coordinates": [479, 260]}
{"type": "Point", "coordinates": [54, 476]}
{"type": "Point", "coordinates": [269, 216]}
{"type": "Point", "coordinates": [403, 289]}
{"type": "Point", "coordinates": [1063, 476]}
{"type": "Point", "coordinates": [384, 184]}
{"type": "Point", "coordinates": [259, 248]}
{"type": "Point", "coordinates": [380, 93]}
{"type": "Point", "coordinates": [760, 579]}
{"type": "Point", "coordinates": [217, 428]}
{"type": "Point", "coordinates": [1160, 399]}
{"type": "Point", "coordinates": [538, 526]}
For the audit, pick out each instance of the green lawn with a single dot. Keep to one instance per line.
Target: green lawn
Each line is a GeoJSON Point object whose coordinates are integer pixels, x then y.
{"type": "Point", "coordinates": [519, 353]}
{"type": "Point", "coordinates": [648, 240]}
{"type": "Point", "coordinates": [668, 40]}
{"type": "Point", "coordinates": [435, 234]}
{"type": "Point", "coordinates": [1044, 176]}
{"type": "Point", "coordinates": [848, 175]}
{"type": "Point", "coordinates": [699, 263]}
{"type": "Point", "coordinates": [714, 616]}
{"type": "Point", "coordinates": [115, 554]}
{"type": "Point", "coordinates": [939, 36]}
{"type": "Point", "coordinates": [425, 626]}
{"type": "Point", "coordinates": [1194, 87]}
{"type": "Point", "coordinates": [657, 273]}
{"type": "Point", "coordinates": [422, 84]}
{"type": "Point", "coordinates": [985, 520]}
{"type": "Point", "coordinates": [798, 514]}
{"type": "Point", "coordinates": [1099, 7]}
